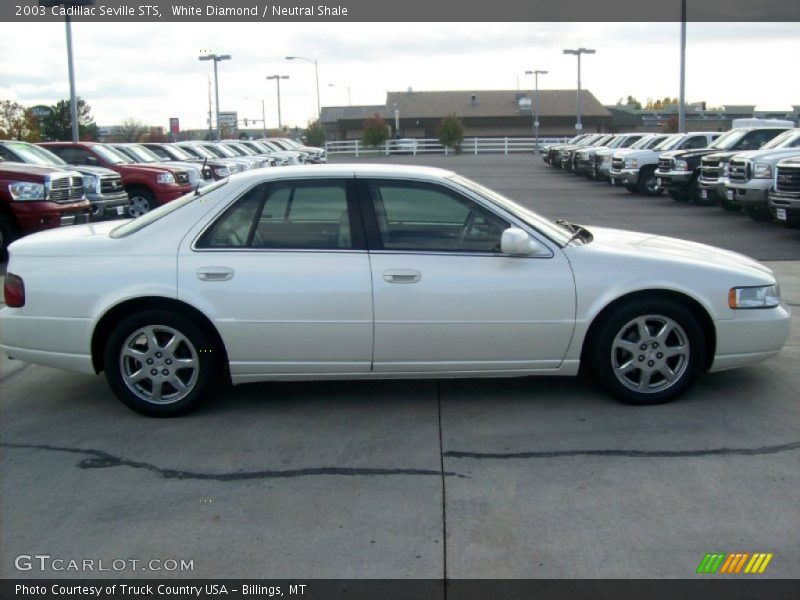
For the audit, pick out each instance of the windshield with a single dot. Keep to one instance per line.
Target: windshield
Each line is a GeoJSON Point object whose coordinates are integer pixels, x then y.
{"type": "Point", "coordinates": [111, 155]}
{"type": "Point", "coordinates": [728, 139]}
{"type": "Point", "coordinates": [671, 141]}
{"type": "Point", "coordinates": [142, 154]}
{"type": "Point", "coordinates": [615, 143]}
{"type": "Point", "coordinates": [788, 139]}
{"type": "Point", "coordinates": [552, 230]}
{"type": "Point", "coordinates": [198, 151]}
{"type": "Point", "coordinates": [176, 152]}
{"type": "Point", "coordinates": [139, 223]}
{"type": "Point", "coordinates": [292, 144]}
{"type": "Point", "coordinates": [219, 151]}
{"type": "Point", "coordinates": [272, 147]}
{"type": "Point", "coordinates": [654, 141]}
{"type": "Point", "coordinates": [34, 155]}
{"type": "Point", "coordinates": [240, 150]}
{"type": "Point", "coordinates": [642, 142]}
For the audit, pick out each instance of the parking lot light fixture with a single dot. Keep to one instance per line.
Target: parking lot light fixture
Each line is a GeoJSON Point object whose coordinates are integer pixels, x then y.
{"type": "Point", "coordinates": [536, 106]}
{"type": "Point", "coordinates": [314, 62]}
{"type": "Point", "coordinates": [216, 58]}
{"type": "Point", "coordinates": [577, 52]}
{"type": "Point", "coordinates": [277, 79]}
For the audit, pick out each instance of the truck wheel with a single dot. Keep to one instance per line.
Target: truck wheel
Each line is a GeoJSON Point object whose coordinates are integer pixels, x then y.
{"type": "Point", "coordinates": [729, 206]}
{"type": "Point", "coordinates": [7, 235]}
{"type": "Point", "coordinates": [648, 351]}
{"type": "Point", "coordinates": [632, 189]}
{"type": "Point", "coordinates": [160, 363]}
{"type": "Point", "coordinates": [141, 201]}
{"type": "Point", "coordinates": [758, 213]}
{"type": "Point", "coordinates": [647, 182]}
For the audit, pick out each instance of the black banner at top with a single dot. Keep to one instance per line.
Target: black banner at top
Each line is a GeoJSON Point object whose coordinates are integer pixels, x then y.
{"type": "Point", "coordinates": [400, 11]}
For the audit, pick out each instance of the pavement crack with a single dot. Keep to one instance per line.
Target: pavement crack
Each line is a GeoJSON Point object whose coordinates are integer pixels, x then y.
{"type": "Point", "coordinates": [628, 453]}
{"type": "Point", "coordinates": [98, 459]}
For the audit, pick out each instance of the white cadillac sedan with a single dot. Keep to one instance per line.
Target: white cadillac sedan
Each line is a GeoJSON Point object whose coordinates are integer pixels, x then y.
{"type": "Point", "coordinates": [366, 271]}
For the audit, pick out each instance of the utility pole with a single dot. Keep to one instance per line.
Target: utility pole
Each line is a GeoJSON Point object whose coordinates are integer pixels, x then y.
{"type": "Point", "coordinates": [682, 99]}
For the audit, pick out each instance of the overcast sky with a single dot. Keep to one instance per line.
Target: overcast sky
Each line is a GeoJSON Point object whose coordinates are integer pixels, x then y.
{"type": "Point", "coordinates": [150, 71]}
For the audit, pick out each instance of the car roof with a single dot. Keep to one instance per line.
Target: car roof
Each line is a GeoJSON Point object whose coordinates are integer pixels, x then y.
{"type": "Point", "coordinates": [352, 169]}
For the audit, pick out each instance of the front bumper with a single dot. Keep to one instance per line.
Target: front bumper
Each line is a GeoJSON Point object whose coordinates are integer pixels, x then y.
{"type": "Point", "coordinates": [624, 176]}
{"type": "Point", "coordinates": [109, 206]}
{"type": "Point", "coordinates": [785, 207]}
{"type": "Point", "coordinates": [751, 336]}
{"type": "Point", "coordinates": [745, 195]}
{"type": "Point", "coordinates": [712, 189]}
{"type": "Point", "coordinates": [38, 216]}
{"type": "Point", "coordinates": [673, 180]}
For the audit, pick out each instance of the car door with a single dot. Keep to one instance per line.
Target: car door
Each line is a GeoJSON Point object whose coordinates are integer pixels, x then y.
{"type": "Point", "coordinates": [446, 299]}
{"type": "Point", "coordinates": [284, 275]}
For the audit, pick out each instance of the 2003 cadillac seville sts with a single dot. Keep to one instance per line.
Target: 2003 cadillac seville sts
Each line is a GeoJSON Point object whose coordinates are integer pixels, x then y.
{"type": "Point", "coordinates": [377, 272]}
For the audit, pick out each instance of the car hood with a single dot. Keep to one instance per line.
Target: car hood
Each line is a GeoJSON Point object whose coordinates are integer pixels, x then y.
{"type": "Point", "coordinates": [90, 170]}
{"type": "Point", "coordinates": [684, 154]}
{"type": "Point", "coordinates": [667, 249]}
{"type": "Point", "coordinates": [632, 153]}
{"type": "Point", "coordinates": [769, 154]}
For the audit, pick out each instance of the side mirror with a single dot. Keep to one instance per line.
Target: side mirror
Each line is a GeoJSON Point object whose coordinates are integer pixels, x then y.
{"type": "Point", "coordinates": [92, 161]}
{"type": "Point", "coordinates": [516, 242]}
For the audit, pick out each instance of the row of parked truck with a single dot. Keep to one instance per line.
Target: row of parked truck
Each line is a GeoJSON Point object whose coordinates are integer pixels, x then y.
{"type": "Point", "coordinates": [754, 167]}
{"type": "Point", "coordinates": [62, 183]}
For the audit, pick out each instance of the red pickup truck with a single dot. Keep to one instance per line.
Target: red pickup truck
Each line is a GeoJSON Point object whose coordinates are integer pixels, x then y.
{"type": "Point", "coordinates": [34, 198]}
{"type": "Point", "coordinates": [148, 186]}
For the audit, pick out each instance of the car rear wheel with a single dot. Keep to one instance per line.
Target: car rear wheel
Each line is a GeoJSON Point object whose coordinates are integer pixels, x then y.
{"type": "Point", "coordinates": [160, 363]}
{"type": "Point", "coordinates": [758, 213]}
{"type": "Point", "coordinates": [648, 351]}
{"type": "Point", "coordinates": [141, 202]}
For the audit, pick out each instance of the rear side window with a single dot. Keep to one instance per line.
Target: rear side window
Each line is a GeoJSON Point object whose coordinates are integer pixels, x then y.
{"type": "Point", "coordinates": [303, 215]}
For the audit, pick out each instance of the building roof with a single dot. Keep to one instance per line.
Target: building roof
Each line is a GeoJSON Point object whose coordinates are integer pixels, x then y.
{"type": "Point", "coordinates": [331, 114]}
{"type": "Point", "coordinates": [490, 103]}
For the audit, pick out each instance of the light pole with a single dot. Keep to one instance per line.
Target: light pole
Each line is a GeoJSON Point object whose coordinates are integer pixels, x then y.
{"type": "Point", "coordinates": [314, 62]}
{"type": "Point", "coordinates": [577, 52]}
{"type": "Point", "coordinates": [536, 106]}
{"type": "Point", "coordinates": [216, 58]}
{"type": "Point", "coordinates": [682, 99]}
{"type": "Point", "coordinates": [73, 98]}
{"type": "Point", "coordinates": [349, 101]}
{"type": "Point", "coordinates": [263, 114]}
{"type": "Point", "coordinates": [396, 120]}
{"type": "Point", "coordinates": [277, 79]}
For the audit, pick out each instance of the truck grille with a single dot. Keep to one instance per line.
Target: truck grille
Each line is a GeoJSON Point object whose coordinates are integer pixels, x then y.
{"type": "Point", "coordinates": [664, 164]}
{"type": "Point", "coordinates": [739, 171]}
{"type": "Point", "coordinates": [710, 169]}
{"type": "Point", "coordinates": [181, 177]}
{"type": "Point", "coordinates": [66, 189]}
{"type": "Point", "coordinates": [617, 164]}
{"type": "Point", "coordinates": [111, 185]}
{"type": "Point", "coordinates": [787, 179]}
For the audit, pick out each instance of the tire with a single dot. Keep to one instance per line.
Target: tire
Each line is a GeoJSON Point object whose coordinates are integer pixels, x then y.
{"type": "Point", "coordinates": [141, 201]}
{"type": "Point", "coordinates": [8, 233]}
{"type": "Point", "coordinates": [141, 342]}
{"type": "Point", "coordinates": [632, 189]}
{"type": "Point", "coordinates": [758, 213]}
{"type": "Point", "coordinates": [620, 363]}
{"type": "Point", "coordinates": [647, 182]}
{"type": "Point", "coordinates": [726, 204]}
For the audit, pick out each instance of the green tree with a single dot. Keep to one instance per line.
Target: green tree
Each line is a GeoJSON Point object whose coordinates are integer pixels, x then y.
{"type": "Point", "coordinates": [376, 131]}
{"type": "Point", "coordinates": [18, 122]}
{"type": "Point", "coordinates": [315, 134]}
{"type": "Point", "coordinates": [58, 125]}
{"type": "Point", "coordinates": [633, 102]}
{"type": "Point", "coordinates": [451, 132]}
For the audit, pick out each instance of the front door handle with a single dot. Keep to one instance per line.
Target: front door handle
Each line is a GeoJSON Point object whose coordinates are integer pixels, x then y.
{"type": "Point", "coordinates": [402, 276]}
{"type": "Point", "coordinates": [214, 273]}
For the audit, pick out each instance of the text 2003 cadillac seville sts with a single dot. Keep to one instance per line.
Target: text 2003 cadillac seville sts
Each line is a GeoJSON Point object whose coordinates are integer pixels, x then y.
{"type": "Point", "coordinates": [377, 272]}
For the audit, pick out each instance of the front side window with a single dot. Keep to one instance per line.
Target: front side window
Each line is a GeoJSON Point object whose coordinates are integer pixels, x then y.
{"type": "Point", "coordinates": [307, 215]}
{"type": "Point", "coordinates": [426, 217]}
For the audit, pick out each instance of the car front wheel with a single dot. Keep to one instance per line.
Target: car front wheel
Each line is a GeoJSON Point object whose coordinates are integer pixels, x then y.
{"type": "Point", "coordinates": [160, 363]}
{"type": "Point", "coordinates": [141, 202]}
{"type": "Point", "coordinates": [648, 351]}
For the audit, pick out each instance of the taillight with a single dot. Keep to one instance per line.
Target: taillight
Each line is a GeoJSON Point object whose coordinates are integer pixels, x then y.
{"type": "Point", "coordinates": [14, 291]}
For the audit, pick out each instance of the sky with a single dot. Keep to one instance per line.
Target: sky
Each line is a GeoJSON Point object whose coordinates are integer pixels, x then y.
{"type": "Point", "coordinates": [150, 71]}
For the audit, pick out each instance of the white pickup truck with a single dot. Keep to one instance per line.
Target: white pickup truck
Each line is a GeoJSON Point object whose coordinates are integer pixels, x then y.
{"type": "Point", "coordinates": [634, 167]}
{"type": "Point", "coordinates": [751, 175]}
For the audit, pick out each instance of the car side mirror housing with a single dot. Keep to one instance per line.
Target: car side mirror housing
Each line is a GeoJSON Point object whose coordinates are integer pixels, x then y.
{"type": "Point", "coordinates": [516, 242]}
{"type": "Point", "coordinates": [92, 161]}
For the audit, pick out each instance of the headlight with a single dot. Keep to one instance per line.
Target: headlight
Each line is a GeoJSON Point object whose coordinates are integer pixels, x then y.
{"type": "Point", "coordinates": [90, 183]}
{"type": "Point", "coordinates": [24, 190]}
{"type": "Point", "coordinates": [165, 178]}
{"type": "Point", "coordinates": [762, 171]}
{"type": "Point", "coordinates": [631, 163]}
{"type": "Point", "coordinates": [681, 165]}
{"type": "Point", "coordinates": [767, 296]}
{"type": "Point", "coordinates": [222, 172]}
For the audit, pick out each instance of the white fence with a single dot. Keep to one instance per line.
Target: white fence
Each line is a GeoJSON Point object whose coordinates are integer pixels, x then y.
{"type": "Point", "coordinates": [474, 145]}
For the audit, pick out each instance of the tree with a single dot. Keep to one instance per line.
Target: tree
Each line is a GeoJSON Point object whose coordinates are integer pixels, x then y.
{"type": "Point", "coordinates": [18, 122]}
{"type": "Point", "coordinates": [376, 131]}
{"type": "Point", "coordinates": [58, 125]}
{"type": "Point", "coordinates": [315, 134]}
{"type": "Point", "coordinates": [633, 102]}
{"type": "Point", "coordinates": [451, 132]}
{"type": "Point", "coordinates": [131, 130]}
{"type": "Point", "coordinates": [671, 126]}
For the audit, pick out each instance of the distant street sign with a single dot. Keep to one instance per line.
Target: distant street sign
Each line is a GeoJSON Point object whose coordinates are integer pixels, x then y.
{"type": "Point", "coordinates": [174, 125]}
{"type": "Point", "coordinates": [228, 119]}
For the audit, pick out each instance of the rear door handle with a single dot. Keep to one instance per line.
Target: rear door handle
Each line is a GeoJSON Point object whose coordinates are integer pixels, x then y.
{"type": "Point", "coordinates": [214, 273]}
{"type": "Point", "coordinates": [402, 276]}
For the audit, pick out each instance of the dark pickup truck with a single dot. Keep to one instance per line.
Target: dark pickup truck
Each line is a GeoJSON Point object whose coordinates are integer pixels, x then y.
{"type": "Point", "coordinates": [679, 171]}
{"type": "Point", "coordinates": [103, 187]}
{"type": "Point", "coordinates": [34, 198]}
